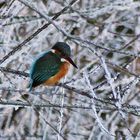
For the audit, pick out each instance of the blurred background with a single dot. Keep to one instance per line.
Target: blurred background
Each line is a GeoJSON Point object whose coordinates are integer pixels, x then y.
{"type": "Point", "coordinates": [98, 101]}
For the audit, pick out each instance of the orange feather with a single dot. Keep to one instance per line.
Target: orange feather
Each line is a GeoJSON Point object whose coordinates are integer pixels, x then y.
{"type": "Point", "coordinates": [62, 72]}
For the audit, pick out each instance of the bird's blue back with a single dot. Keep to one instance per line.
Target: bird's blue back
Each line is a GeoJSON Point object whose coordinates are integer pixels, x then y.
{"type": "Point", "coordinates": [44, 67]}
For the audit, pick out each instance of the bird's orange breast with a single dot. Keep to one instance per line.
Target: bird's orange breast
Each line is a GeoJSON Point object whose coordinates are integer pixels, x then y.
{"type": "Point", "coordinates": [62, 72]}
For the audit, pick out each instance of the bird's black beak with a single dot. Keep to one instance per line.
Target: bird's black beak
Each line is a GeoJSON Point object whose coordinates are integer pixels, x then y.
{"type": "Point", "coordinates": [71, 61]}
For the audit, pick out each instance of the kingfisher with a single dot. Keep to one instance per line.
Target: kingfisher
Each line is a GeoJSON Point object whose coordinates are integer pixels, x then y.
{"type": "Point", "coordinates": [51, 66]}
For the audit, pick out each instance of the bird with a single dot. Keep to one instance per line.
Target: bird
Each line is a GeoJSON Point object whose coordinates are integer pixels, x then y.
{"type": "Point", "coordinates": [50, 67]}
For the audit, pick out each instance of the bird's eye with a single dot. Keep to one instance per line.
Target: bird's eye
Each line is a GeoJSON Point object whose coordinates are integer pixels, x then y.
{"type": "Point", "coordinates": [57, 52]}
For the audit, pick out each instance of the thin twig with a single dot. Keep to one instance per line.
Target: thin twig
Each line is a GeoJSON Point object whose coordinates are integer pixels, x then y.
{"type": "Point", "coordinates": [19, 73]}
{"type": "Point", "coordinates": [19, 47]}
{"type": "Point", "coordinates": [38, 112]}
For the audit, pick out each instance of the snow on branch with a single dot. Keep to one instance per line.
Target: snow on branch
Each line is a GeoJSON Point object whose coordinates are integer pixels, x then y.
{"type": "Point", "coordinates": [101, 97]}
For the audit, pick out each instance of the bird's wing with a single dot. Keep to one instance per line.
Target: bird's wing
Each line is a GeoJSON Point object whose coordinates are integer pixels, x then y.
{"type": "Point", "coordinates": [44, 67]}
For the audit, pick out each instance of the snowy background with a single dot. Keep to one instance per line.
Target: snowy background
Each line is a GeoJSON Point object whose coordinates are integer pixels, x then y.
{"type": "Point", "coordinates": [98, 101]}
